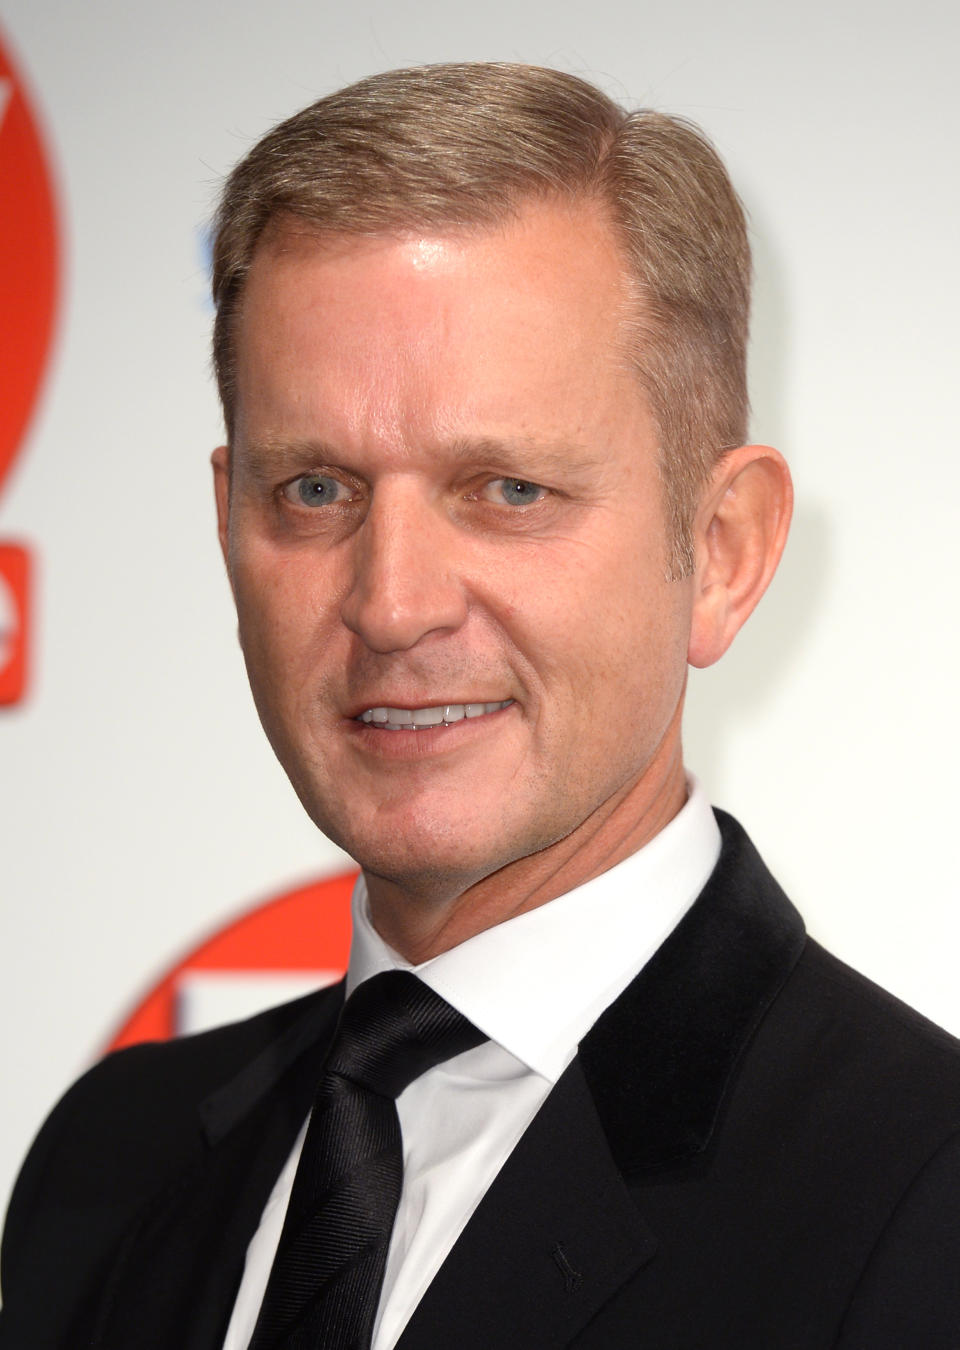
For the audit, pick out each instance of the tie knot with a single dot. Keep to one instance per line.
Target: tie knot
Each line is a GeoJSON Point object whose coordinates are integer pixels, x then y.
{"type": "Point", "coordinates": [392, 1029]}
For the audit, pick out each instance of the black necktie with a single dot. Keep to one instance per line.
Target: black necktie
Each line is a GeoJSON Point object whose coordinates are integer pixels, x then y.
{"type": "Point", "coordinates": [324, 1286]}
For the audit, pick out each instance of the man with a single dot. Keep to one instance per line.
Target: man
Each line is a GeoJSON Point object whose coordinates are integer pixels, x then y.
{"type": "Point", "coordinates": [481, 345]}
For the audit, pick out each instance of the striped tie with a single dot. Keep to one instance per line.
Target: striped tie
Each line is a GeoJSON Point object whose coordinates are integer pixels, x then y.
{"type": "Point", "coordinates": [324, 1287]}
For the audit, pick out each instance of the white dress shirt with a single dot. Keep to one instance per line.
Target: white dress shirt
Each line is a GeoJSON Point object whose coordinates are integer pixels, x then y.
{"type": "Point", "coordinates": [534, 984]}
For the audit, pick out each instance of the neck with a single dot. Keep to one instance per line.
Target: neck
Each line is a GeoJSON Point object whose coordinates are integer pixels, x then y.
{"type": "Point", "coordinates": [420, 922]}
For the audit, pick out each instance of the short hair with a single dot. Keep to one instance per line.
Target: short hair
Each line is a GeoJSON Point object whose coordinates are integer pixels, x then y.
{"type": "Point", "coordinates": [464, 146]}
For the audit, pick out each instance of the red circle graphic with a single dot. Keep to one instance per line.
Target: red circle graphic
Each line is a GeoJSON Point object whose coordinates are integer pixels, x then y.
{"type": "Point", "coordinates": [303, 931]}
{"type": "Point", "coordinates": [28, 259]}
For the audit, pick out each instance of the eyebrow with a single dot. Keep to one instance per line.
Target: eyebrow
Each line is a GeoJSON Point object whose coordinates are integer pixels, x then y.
{"type": "Point", "coordinates": [548, 457]}
{"type": "Point", "coordinates": [264, 460]}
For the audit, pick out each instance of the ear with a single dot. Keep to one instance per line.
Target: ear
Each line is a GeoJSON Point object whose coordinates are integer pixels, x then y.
{"type": "Point", "coordinates": [739, 534]}
{"type": "Point", "coordinates": [220, 459]}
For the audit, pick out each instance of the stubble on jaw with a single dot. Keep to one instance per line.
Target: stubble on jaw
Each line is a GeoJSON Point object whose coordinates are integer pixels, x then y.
{"type": "Point", "coordinates": [429, 909]}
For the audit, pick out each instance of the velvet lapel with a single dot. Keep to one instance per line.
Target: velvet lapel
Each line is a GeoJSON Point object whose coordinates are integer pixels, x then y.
{"type": "Point", "coordinates": [558, 1232]}
{"type": "Point", "coordinates": [177, 1274]}
{"type": "Point", "coordinates": [659, 1061]}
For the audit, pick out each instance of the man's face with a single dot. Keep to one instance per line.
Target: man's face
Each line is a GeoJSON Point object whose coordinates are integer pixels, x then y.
{"type": "Point", "coordinates": [444, 501]}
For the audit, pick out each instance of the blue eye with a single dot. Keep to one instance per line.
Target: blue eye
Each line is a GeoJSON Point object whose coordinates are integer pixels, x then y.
{"type": "Point", "coordinates": [517, 491]}
{"type": "Point", "coordinates": [314, 489]}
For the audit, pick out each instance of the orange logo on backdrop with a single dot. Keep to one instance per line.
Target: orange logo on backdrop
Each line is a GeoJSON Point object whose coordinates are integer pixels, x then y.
{"type": "Point", "coordinates": [293, 942]}
{"type": "Point", "coordinates": [14, 612]}
{"type": "Point", "coordinates": [28, 293]}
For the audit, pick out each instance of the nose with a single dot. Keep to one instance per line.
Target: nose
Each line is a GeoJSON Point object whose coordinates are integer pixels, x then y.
{"type": "Point", "coordinates": [405, 581]}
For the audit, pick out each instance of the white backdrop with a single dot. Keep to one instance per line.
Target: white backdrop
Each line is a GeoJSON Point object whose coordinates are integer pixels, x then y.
{"type": "Point", "coordinates": [141, 806]}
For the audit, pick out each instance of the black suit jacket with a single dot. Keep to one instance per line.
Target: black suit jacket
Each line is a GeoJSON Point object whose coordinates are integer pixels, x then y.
{"type": "Point", "coordinates": [755, 1149]}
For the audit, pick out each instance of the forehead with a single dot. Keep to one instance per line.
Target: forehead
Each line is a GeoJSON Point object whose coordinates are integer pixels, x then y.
{"type": "Point", "coordinates": [499, 322]}
{"type": "Point", "coordinates": [552, 260]}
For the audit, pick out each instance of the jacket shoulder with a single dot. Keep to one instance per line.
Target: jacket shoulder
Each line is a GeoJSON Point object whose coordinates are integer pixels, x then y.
{"type": "Point", "coordinates": [867, 1033]}
{"type": "Point", "coordinates": [138, 1118]}
{"type": "Point", "coordinates": [141, 1094]}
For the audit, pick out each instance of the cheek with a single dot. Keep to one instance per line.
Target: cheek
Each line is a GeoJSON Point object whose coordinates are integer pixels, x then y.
{"type": "Point", "coordinates": [590, 620]}
{"type": "Point", "coordinates": [263, 614]}
{"type": "Point", "coordinates": [282, 602]}
{"type": "Point", "coordinates": [617, 655]}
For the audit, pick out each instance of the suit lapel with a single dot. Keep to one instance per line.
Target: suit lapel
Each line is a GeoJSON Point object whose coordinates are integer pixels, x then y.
{"type": "Point", "coordinates": [554, 1237]}
{"type": "Point", "coordinates": [558, 1233]}
{"type": "Point", "coordinates": [660, 1060]}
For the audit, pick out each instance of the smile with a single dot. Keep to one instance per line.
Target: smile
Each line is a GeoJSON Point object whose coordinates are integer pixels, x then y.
{"type": "Point", "coordinates": [443, 714]}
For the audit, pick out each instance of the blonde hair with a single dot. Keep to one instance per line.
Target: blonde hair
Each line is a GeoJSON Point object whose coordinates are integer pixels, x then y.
{"type": "Point", "coordinates": [464, 146]}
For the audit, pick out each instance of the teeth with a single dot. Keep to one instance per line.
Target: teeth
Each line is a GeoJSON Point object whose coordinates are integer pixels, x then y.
{"type": "Point", "coordinates": [427, 717]}
{"type": "Point", "coordinates": [411, 719]}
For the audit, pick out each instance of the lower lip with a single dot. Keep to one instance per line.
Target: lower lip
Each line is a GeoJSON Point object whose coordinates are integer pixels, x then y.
{"type": "Point", "coordinates": [425, 741]}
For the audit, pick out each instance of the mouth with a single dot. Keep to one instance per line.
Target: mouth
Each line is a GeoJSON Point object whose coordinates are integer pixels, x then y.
{"type": "Point", "coordinates": [418, 719]}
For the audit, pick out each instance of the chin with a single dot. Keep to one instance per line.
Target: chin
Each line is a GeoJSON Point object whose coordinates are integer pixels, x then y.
{"type": "Point", "coordinates": [439, 862]}
{"type": "Point", "coordinates": [425, 855]}
{"type": "Point", "coordinates": [436, 876]}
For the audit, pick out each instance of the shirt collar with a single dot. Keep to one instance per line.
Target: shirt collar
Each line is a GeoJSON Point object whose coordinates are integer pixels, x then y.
{"type": "Point", "coordinates": [536, 983]}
